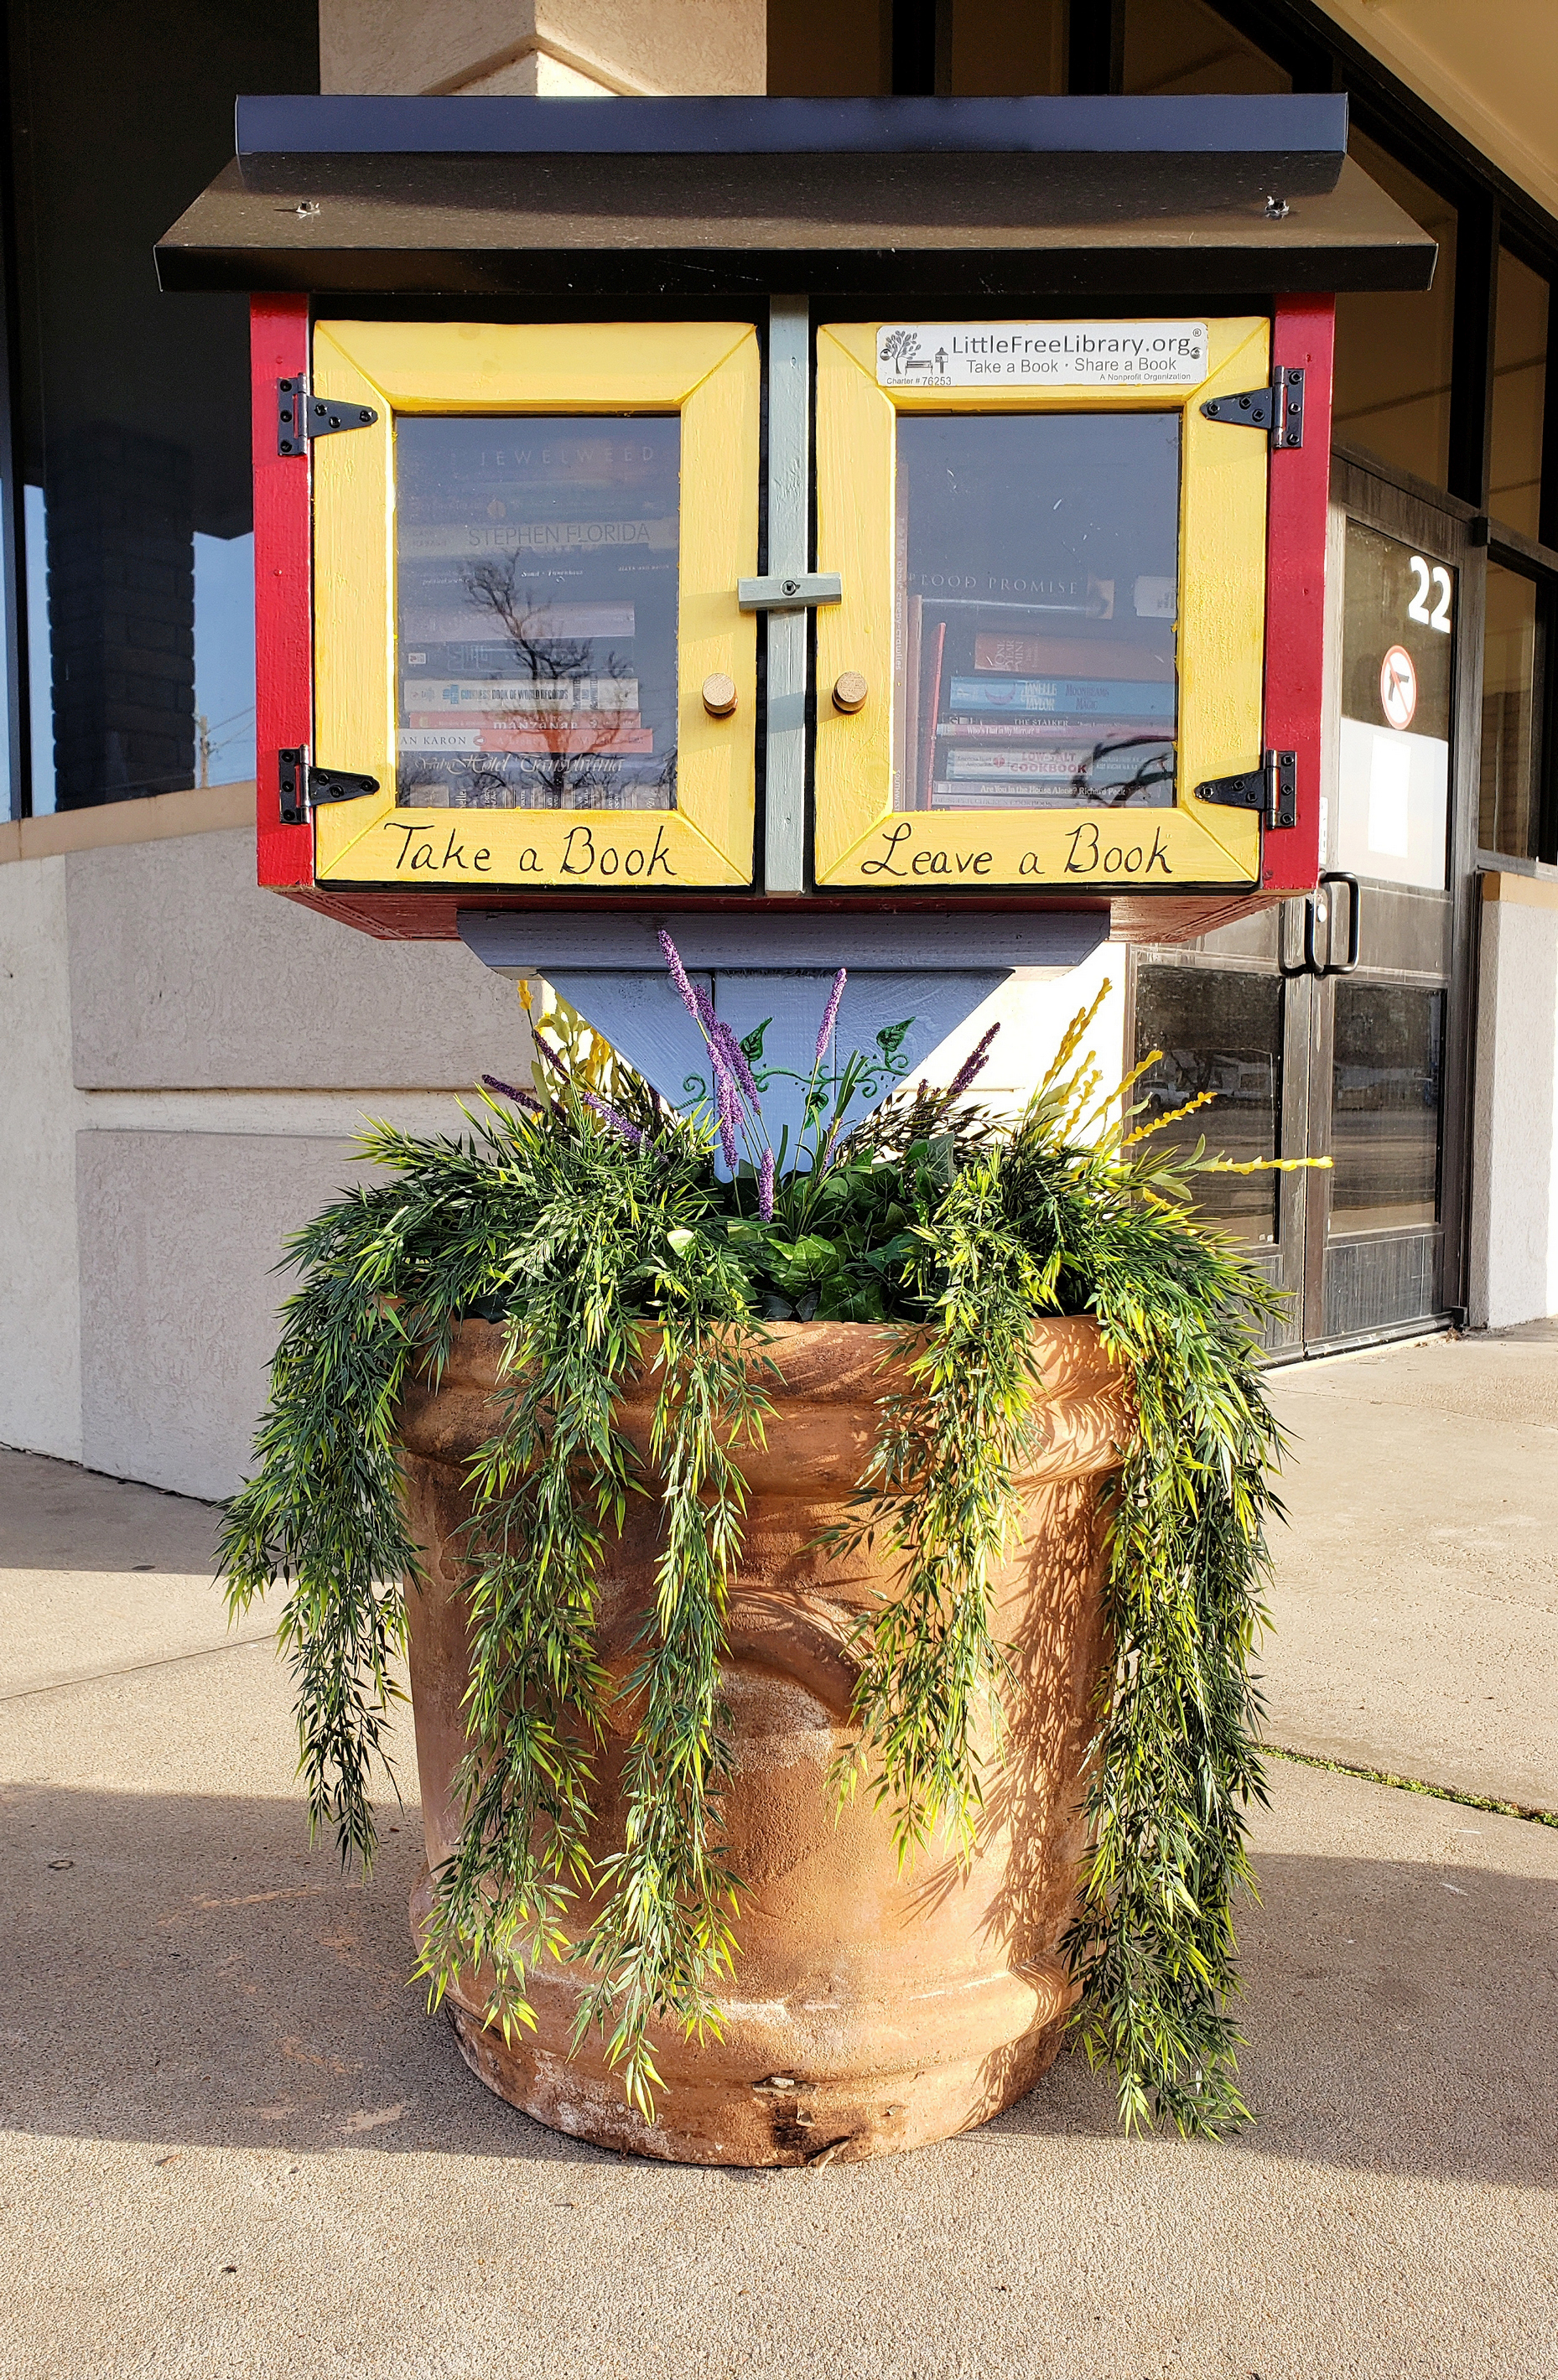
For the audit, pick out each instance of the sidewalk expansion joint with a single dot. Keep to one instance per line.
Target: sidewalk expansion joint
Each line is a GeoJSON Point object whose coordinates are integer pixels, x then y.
{"type": "Point", "coordinates": [134, 1669]}
{"type": "Point", "coordinates": [1534, 1815]}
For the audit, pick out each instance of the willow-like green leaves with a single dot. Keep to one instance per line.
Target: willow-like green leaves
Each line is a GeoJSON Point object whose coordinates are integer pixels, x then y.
{"type": "Point", "coordinates": [595, 1231]}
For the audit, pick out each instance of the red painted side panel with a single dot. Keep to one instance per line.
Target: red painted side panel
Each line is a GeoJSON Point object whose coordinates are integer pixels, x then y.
{"type": "Point", "coordinates": [1300, 477]}
{"type": "Point", "coordinates": [283, 586]}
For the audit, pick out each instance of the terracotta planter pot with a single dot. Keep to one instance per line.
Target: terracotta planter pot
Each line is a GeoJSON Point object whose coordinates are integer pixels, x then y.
{"type": "Point", "coordinates": [872, 2010]}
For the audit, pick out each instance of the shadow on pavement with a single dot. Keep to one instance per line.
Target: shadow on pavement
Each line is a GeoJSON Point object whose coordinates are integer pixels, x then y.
{"type": "Point", "coordinates": [185, 1970]}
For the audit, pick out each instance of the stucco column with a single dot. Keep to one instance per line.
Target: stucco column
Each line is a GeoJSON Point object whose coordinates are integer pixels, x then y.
{"type": "Point", "coordinates": [555, 48]}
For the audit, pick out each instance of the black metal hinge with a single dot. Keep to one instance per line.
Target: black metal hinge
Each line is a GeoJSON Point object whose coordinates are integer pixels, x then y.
{"type": "Point", "coordinates": [1279, 410]}
{"type": "Point", "coordinates": [301, 417]}
{"type": "Point", "coordinates": [304, 785]}
{"type": "Point", "coordinates": [1272, 789]}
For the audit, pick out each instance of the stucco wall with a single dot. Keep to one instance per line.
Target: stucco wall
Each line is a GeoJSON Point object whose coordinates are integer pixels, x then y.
{"type": "Point", "coordinates": [184, 1061]}
{"type": "Point", "coordinates": [1514, 1131]}
{"type": "Point", "coordinates": [557, 48]}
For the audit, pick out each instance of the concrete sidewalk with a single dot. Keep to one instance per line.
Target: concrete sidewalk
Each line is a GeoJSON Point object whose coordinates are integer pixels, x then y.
{"type": "Point", "coordinates": [237, 2145]}
{"type": "Point", "coordinates": [1416, 1601]}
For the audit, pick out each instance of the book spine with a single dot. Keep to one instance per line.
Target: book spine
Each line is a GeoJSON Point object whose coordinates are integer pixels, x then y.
{"type": "Point", "coordinates": [933, 706]}
{"type": "Point", "coordinates": [1041, 733]}
{"type": "Point", "coordinates": [1006, 795]}
{"type": "Point", "coordinates": [1077, 698]}
{"type": "Point", "coordinates": [521, 693]}
{"type": "Point", "coordinates": [1116, 767]}
{"type": "Point", "coordinates": [437, 734]}
{"type": "Point", "coordinates": [966, 796]}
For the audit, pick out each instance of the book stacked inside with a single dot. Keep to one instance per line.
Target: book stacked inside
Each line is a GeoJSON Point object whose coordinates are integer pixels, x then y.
{"type": "Point", "coordinates": [1042, 721]}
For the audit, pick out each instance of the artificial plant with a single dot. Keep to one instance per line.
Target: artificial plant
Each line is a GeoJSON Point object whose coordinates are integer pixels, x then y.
{"type": "Point", "coordinates": [586, 1216]}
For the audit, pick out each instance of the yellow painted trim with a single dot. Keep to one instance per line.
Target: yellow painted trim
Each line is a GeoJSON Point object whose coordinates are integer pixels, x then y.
{"type": "Point", "coordinates": [153, 818]}
{"type": "Point", "coordinates": [536, 366]}
{"type": "Point", "coordinates": [1508, 885]}
{"type": "Point", "coordinates": [354, 602]}
{"type": "Point", "coordinates": [710, 373]}
{"type": "Point", "coordinates": [1222, 576]}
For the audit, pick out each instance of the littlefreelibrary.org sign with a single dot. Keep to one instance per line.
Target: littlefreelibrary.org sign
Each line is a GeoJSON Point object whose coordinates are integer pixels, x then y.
{"type": "Point", "coordinates": [1041, 355]}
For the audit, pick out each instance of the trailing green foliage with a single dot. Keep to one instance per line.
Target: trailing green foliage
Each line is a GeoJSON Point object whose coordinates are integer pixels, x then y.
{"type": "Point", "coordinates": [591, 1223]}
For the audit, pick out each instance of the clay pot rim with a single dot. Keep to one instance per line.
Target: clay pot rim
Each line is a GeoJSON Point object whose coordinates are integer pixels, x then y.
{"type": "Point", "coordinates": [829, 1361]}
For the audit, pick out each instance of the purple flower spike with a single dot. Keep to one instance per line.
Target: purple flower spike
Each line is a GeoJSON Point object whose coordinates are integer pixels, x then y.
{"type": "Point", "coordinates": [725, 1115]}
{"type": "Point", "coordinates": [614, 1117]}
{"type": "Point", "coordinates": [509, 1091]}
{"type": "Point", "coordinates": [830, 1014]}
{"type": "Point", "coordinates": [973, 1065]}
{"type": "Point", "coordinates": [736, 1059]}
{"type": "Point", "coordinates": [678, 975]}
{"type": "Point", "coordinates": [765, 1187]}
{"type": "Point", "coordinates": [723, 1046]}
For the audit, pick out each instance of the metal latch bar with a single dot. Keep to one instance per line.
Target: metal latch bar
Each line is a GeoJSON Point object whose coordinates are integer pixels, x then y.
{"type": "Point", "coordinates": [1272, 789]}
{"type": "Point", "coordinates": [301, 416]}
{"type": "Point", "coordinates": [1279, 409]}
{"type": "Point", "coordinates": [304, 785]}
{"type": "Point", "coordinates": [796, 593]}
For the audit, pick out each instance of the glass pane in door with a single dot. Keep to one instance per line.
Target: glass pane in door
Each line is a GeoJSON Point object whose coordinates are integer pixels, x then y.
{"type": "Point", "coordinates": [1387, 1088]}
{"type": "Point", "coordinates": [1397, 648]}
{"type": "Point", "coordinates": [1218, 1031]}
{"type": "Point", "coordinates": [1508, 807]}
{"type": "Point", "coordinates": [1037, 594]}
{"type": "Point", "coordinates": [536, 566]}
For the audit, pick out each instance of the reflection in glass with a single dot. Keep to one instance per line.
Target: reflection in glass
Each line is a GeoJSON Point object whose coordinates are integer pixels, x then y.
{"type": "Point", "coordinates": [1393, 346]}
{"type": "Point", "coordinates": [137, 502]}
{"type": "Point", "coordinates": [1387, 1084]}
{"type": "Point", "coordinates": [1217, 1032]}
{"type": "Point", "coordinates": [1507, 812]}
{"type": "Point", "coordinates": [997, 51]}
{"type": "Point", "coordinates": [537, 590]}
{"type": "Point", "coordinates": [1519, 383]}
{"type": "Point", "coordinates": [1037, 568]}
{"type": "Point", "coordinates": [1173, 45]}
{"type": "Point", "coordinates": [1398, 623]}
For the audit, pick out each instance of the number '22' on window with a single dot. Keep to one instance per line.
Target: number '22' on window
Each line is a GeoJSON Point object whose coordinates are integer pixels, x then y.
{"type": "Point", "coordinates": [1435, 576]}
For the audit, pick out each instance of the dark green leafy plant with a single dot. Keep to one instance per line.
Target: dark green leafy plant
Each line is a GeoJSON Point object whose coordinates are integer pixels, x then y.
{"type": "Point", "coordinates": [592, 1223]}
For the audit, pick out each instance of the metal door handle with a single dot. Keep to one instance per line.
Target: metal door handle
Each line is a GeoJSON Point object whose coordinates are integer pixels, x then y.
{"type": "Point", "coordinates": [1313, 915]}
{"type": "Point", "coordinates": [1355, 915]}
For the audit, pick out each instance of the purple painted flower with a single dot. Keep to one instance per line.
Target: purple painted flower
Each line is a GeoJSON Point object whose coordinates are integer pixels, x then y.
{"type": "Point", "coordinates": [765, 1187]}
{"type": "Point", "coordinates": [509, 1091]}
{"type": "Point", "coordinates": [830, 1014]}
{"type": "Point", "coordinates": [973, 1065]}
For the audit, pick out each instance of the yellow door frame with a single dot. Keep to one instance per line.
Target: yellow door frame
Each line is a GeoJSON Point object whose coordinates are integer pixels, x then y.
{"type": "Point", "coordinates": [861, 839]}
{"type": "Point", "coordinates": [706, 372]}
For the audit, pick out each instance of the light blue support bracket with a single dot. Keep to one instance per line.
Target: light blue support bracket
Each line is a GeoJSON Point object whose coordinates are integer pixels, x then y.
{"type": "Point", "coordinates": [912, 982]}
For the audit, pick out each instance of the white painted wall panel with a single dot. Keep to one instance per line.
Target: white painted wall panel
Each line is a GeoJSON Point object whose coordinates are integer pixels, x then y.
{"type": "Point", "coordinates": [1514, 1131]}
{"type": "Point", "coordinates": [180, 1233]}
{"type": "Point", "coordinates": [40, 1358]}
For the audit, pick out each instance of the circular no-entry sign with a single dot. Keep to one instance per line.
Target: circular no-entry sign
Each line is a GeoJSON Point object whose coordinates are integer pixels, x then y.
{"type": "Point", "coordinates": [1399, 687]}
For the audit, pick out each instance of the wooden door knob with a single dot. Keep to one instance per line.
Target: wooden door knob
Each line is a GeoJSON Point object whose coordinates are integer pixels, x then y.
{"type": "Point", "coordinates": [719, 695]}
{"type": "Point", "coordinates": [850, 692]}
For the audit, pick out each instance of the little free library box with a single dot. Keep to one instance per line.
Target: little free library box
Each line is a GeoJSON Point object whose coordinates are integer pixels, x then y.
{"type": "Point", "coordinates": [889, 531]}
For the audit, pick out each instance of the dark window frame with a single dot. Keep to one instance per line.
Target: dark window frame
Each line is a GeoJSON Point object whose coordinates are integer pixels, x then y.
{"type": "Point", "coordinates": [13, 583]}
{"type": "Point", "coordinates": [1526, 558]}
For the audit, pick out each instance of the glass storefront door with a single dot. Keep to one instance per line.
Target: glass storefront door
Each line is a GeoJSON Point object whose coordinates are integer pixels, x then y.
{"type": "Point", "coordinates": [1340, 1028]}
